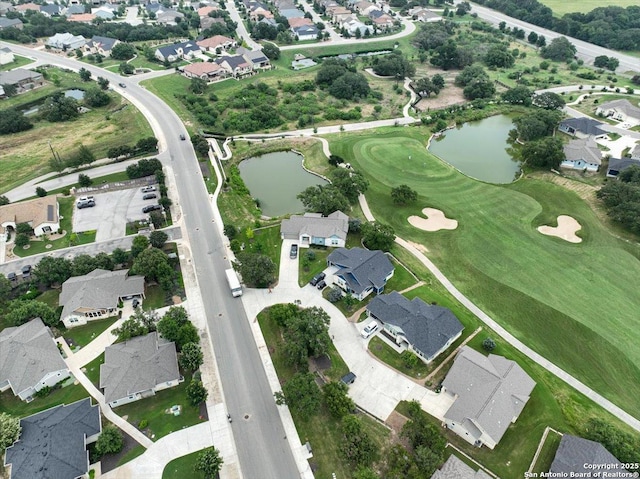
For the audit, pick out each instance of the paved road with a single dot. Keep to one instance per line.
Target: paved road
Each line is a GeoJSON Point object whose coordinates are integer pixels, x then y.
{"type": "Point", "coordinates": [241, 30]}
{"type": "Point", "coordinates": [246, 389]}
{"type": "Point", "coordinates": [586, 51]}
{"type": "Point", "coordinates": [333, 35]}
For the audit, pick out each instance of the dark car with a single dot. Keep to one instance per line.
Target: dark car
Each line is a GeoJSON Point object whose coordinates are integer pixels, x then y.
{"type": "Point", "coordinates": [86, 204]}
{"type": "Point", "coordinates": [149, 196]}
{"type": "Point", "coordinates": [293, 254]}
{"type": "Point", "coordinates": [122, 85]}
{"type": "Point", "coordinates": [321, 285]}
{"type": "Point", "coordinates": [317, 278]}
{"type": "Point", "coordinates": [135, 303]}
{"type": "Point", "coordinates": [182, 137]}
{"type": "Point", "coordinates": [348, 378]}
{"type": "Point", "coordinates": [12, 276]}
{"type": "Point", "coordinates": [150, 208]}
{"type": "Point", "coordinates": [26, 270]}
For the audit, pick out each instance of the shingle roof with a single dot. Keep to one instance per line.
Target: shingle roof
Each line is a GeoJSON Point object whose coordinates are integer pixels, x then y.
{"type": "Point", "coordinates": [201, 68]}
{"type": "Point", "coordinates": [27, 354]}
{"type": "Point", "coordinates": [105, 43]}
{"type": "Point", "coordinates": [574, 452]}
{"type": "Point", "coordinates": [314, 224]}
{"type": "Point", "coordinates": [52, 442]}
{"type": "Point", "coordinates": [291, 13]}
{"type": "Point", "coordinates": [306, 30]}
{"type": "Point", "coordinates": [51, 9]}
{"type": "Point", "coordinates": [624, 106]}
{"type": "Point", "coordinates": [39, 210]}
{"type": "Point", "coordinates": [9, 22]}
{"type": "Point", "coordinates": [490, 391]}
{"type": "Point", "coordinates": [588, 126]}
{"type": "Point", "coordinates": [454, 468]}
{"type": "Point", "coordinates": [256, 56]}
{"type": "Point", "coordinates": [234, 61]}
{"type": "Point", "coordinates": [214, 41]}
{"type": "Point", "coordinates": [583, 149]}
{"type": "Point", "coordinates": [621, 164]}
{"type": "Point", "coordinates": [361, 268]}
{"type": "Point", "coordinates": [427, 327]}
{"type": "Point", "coordinates": [137, 365]}
{"type": "Point", "coordinates": [99, 289]}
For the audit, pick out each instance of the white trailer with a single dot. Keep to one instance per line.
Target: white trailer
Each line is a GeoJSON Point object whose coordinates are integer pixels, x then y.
{"type": "Point", "coordinates": [234, 282]}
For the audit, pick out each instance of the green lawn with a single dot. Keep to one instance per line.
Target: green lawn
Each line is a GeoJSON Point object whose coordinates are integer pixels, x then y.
{"type": "Point", "coordinates": [17, 62]}
{"type": "Point", "coordinates": [548, 452]}
{"type": "Point", "coordinates": [83, 335]}
{"type": "Point", "coordinates": [131, 454]}
{"type": "Point", "coordinates": [153, 410]}
{"type": "Point", "coordinates": [388, 355]}
{"type": "Point", "coordinates": [182, 467]}
{"type": "Point", "coordinates": [560, 7]}
{"type": "Point", "coordinates": [13, 405]}
{"type": "Point", "coordinates": [50, 297]}
{"type": "Point", "coordinates": [92, 370]}
{"type": "Point", "coordinates": [401, 279]}
{"type": "Point", "coordinates": [313, 267]}
{"type": "Point", "coordinates": [556, 296]}
{"type": "Point", "coordinates": [154, 297]}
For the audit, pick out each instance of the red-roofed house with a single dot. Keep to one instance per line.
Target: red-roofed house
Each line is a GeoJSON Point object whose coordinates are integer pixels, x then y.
{"type": "Point", "coordinates": [299, 21]}
{"type": "Point", "coordinates": [204, 70]}
{"type": "Point", "coordinates": [205, 11]}
{"type": "Point", "coordinates": [82, 18]}
{"type": "Point", "coordinates": [28, 6]}
{"type": "Point", "coordinates": [217, 41]}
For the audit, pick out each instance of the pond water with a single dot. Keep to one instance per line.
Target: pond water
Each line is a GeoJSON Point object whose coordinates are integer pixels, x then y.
{"type": "Point", "coordinates": [479, 150]}
{"type": "Point", "coordinates": [275, 179]}
{"type": "Point", "coordinates": [75, 93]}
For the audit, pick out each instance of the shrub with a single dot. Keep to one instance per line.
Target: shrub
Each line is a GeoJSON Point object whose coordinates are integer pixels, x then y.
{"type": "Point", "coordinates": [489, 344]}
{"type": "Point", "coordinates": [335, 295]}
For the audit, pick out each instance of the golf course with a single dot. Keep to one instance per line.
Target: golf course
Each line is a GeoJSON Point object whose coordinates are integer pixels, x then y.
{"type": "Point", "coordinates": [575, 303]}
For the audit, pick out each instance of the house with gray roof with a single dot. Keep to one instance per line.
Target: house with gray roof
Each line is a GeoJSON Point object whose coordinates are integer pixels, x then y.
{"type": "Point", "coordinates": [11, 23]}
{"type": "Point", "coordinates": [489, 393]}
{"type": "Point", "coordinates": [23, 79]}
{"type": "Point", "coordinates": [582, 154]}
{"type": "Point", "coordinates": [96, 295]}
{"type": "Point", "coordinates": [454, 468]}
{"type": "Point", "coordinates": [306, 32]}
{"type": "Point", "coordinates": [574, 454]}
{"type": "Point", "coordinates": [169, 17]}
{"type": "Point", "coordinates": [635, 153]}
{"type": "Point", "coordinates": [53, 443]}
{"type": "Point", "coordinates": [30, 359]}
{"type": "Point", "coordinates": [137, 368]}
{"type": "Point", "coordinates": [101, 45]}
{"type": "Point", "coordinates": [621, 110]}
{"type": "Point", "coordinates": [256, 58]}
{"type": "Point", "coordinates": [582, 127]}
{"type": "Point", "coordinates": [75, 10]}
{"type": "Point", "coordinates": [618, 165]}
{"type": "Point", "coordinates": [425, 329]}
{"type": "Point", "coordinates": [66, 41]}
{"type": "Point", "coordinates": [51, 10]}
{"type": "Point", "coordinates": [315, 229]}
{"type": "Point", "coordinates": [235, 65]}
{"type": "Point", "coordinates": [184, 50]}
{"type": "Point", "coordinates": [360, 271]}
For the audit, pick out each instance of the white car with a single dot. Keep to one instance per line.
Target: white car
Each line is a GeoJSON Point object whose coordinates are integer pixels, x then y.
{"type": "Point", "coordinates": [369, 329]}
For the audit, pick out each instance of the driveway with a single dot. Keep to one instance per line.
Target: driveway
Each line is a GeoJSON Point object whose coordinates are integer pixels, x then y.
{"type": "Point", "coordinates": [111, 213]}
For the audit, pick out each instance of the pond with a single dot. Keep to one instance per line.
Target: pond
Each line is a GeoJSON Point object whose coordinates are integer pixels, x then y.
{"type": "Point", "coordinates": [74, 93]}
{"type": "Point", "coordinates": [479, 150]}
{"type": "Point", "coordinates": [275, 179]}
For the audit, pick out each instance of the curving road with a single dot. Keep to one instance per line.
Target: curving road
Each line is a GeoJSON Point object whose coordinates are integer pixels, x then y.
{"type": "Point", "coordinates": [262, 450]}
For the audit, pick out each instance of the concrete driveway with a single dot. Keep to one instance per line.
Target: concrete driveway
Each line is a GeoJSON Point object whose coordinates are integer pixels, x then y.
{"type": "Point", "coordinates": [111, 213]}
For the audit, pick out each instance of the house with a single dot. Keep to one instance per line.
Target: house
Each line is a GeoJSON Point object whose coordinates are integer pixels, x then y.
{"type": "Point", "coordinates": [315, 229]}
{"type": "Point", "coordinates": [236, 65]}
{"type": "Point", "coordinates": [582, 154]}
{"type": "Point", "coordinates": [51, 10]}
{"type": "Point", "coordinates": [6, 7]}
{"type": "Point", "coordinates": [454, 468]}
{"type": "Point", "coordinates": [208, 22]}
{"type": "Point", "coordinates": [360, 271]}
{"type": "Point", "coordinates": [101, 45]}
{"type": "Point", "coordinates": [74, 10]}
{"type": "Point", "coordinates": [6, 56]}
{"type": "Point", "coordinates": [299, 21]}
{"type": "Point", "coordinates": [29, 359]}
{"type": "Point", "coordinates": [138, 368]}
{"type": "Point", "coordinates": [11, 23]}
{"type": "Point", "coordinates": [381, 19]}
{"type": "Point", "coordinates": [577, 455]}
{"type": "Point", "coordinates": [618, 165]}
{"type": "Point", "coordinates": [306, 32]}
{"type": "Point", "coordinates": [205, 70]}
{"type": "Point", "coordinates": [291, 13]}
{"type": "Point", "coordinates": [216, 42]}
{"type": "Point", "coordinates": [256, 58]}
{"type": "Point", "coordinates": [355, 25]}
{"type": "Point", "coordinates": [177, 51]}
{"type": "Point", "coordinates": [103, 13]}
{"type": "Point", "coordinates": [66, 41]}
{"type": "Point", "coordinates": [53, 443]}
{"type": "Point", "coordinates": [582, 127]}
{"type": "Point", "coordinates": [489, 393]}
{"type": "Point", "coordinates": [365, 8]}
{"type": "Point", "coordinates": [96, 295]}
{"type": "Point", "coordinates": [42, 214]}
{"type": "Point", "coordinates": [425, 329]}
{"type": "Point", "coordinates": [169, 17]}
{"type": "Point", "coordinates": [635, 153]}
{"type": "Point", "coordinates": [258, 11]}
{"type": "Point", "coordinates": [621, 110]}
{"type": "Point", "coordinates": [424, 15]}
{"type": "Point", "coordinates": [28, 6]}
{"type": "Point", "coordinates": [205, 11]}
{"type": "Point", "coordinates": [82, 18]}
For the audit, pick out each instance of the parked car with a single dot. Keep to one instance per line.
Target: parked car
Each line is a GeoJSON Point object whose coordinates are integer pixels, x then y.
{"type": "Point", "coordinates": [135, 303]}
{"type": "Point", "coordinates": [149, 196]}
{"type": "Point", "coordinates": [150, 208]}
{"type": "Point", "coordinates": [369, 329]}
{"type": "Point", "coordinates": [293, 254]}
{"type": "Point", "coordinates": [26, 271]}
{"type": "Point", "coordinates": [182, 137]}
{"type": "Point", "coordinates": [86, 202]}
{"type": "Point", "coordinates": [348, 378]}
{"type": "Point", "coordinates": [147, 189]}
{"type": "Point", "coordinates": [317, 278]}
{"type": "Point", "coordinates": [12, 276]}
{"type": "Point", "coordinates": [321, 285]}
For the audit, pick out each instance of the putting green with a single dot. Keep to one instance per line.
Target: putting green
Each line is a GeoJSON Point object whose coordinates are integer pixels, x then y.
{"type": "Point", "coordinates": [576, 304]}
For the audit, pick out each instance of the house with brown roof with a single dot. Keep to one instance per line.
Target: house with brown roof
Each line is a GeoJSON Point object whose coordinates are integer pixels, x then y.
{"type": "Point", "coordinates": [299, 21]}
{"type": "Point", "coordinates": [205, 11]}
{"type": "Point", "coordinates": [212, 44]}
{"type": "Point", "coordinates": [208, 22]}
{"type": "Point", "coordinates": [42, 214]}
{"type": "Point", "coordinates": [82, 18]}
{"type": "Point", "coordinates": [207, 71]}
{"type": "Point", "coordinates": [27, 6]}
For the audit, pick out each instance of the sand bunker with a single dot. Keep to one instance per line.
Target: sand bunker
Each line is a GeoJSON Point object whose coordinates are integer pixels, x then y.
{"type": "Point", "coordinates": [435, 221]}
{"type": "Point", "coordinates": [566, 229]}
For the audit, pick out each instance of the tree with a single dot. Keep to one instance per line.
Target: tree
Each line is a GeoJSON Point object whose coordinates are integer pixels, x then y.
{"type": "Point", "coordinates": [13, 121]}
{"type": "Point", "coordinates": [336, 399]}
{"type": "Point", "coordinates": [157, 219]}
{"type": "Point", "coordinates": [84, 180]}
{"type": "Point", "coordinates": [378, 236]}
{"type": "Point", "coordinates": [271, 51]}
{"type": "Point", "coordinates": [520, 95]}
{"type": "Point", "coordinates": [149, 144]}
{"type": "Point", "coordinates": [24, 228]}
{"type": "Point", "coordinates": [4, 200]}
{"type": "Point", "coordinates": [21, 311]}
{"type": "Point", "coordinates": [5, 289]}
{"type": "Point", "coordinates": [499, 56]}
{"type": "Point", "coordinates": [301, 394]}
{"type": "Point", "coordinates": [198, 86]}
{"type": "Point", "coordinates": [479, 89]}
{"type": "Point", "coordinates": [110, 441]}
{"type": "Point", "coordinates": [58, 107]}
{"type": "Point", "coordinates": [349, 182]}
{"type": "Point", "coordinates": [545, 153]}
{"type": "Point", "coordinates": [175, 326]}
{"type": "Point", "coordinates": [9, 430]}
{"type": "Point", "coordinates": [323, 199]}
{"type": "Point", "coordinates": [603, 61]}
{"type": "Point", "coordinates": [541, 42]}
{"type": "Point", "coordinates": [230, 231]}
{"type": "Point", "coordinates": [145, 167]}
{"type": "Point", "coordinates": [191, 357]}
{"type": "Point", "coordinates": [257, 270]}
{"type": "Point", "coordinates": [51, 270]}
{"type": "Point", "coordinates": [153, 264]}
{"type": "Point", "coordinates": [41, 192]}
{"type": "Point", "coordinates": [537, 124]}
{"type": "Point", "coordinates": [549, 101]}
{"type": "Point", "coordinates": [96, 98]}
{"type": "Point", "coordinates": [21, 240]}
{"type": "Point", "coordinates": [139, 244]}
{"type": "Point", "coordinates": [103, 83]}
{"type": "Point", "coordinates": [158, 239]}
{"type": "Point", "coordinates": [403, 195]}
{"type": "Point", "coordinates": [306, 335]}
{"type": "Point", "coordinates": [560, 50]}
{"type": "Point", "coordinates": [196, 392]}
{"type": "Point", "coordinates": [394, 65]}
{"type": "Point", "coordinates": [126, 68]}
{"type": "Point", "coordinates": [532, 38]}
{"type": "Point", "coordinates": [85, 75]}
{"type": "Point", "coordinates": [350, 86]}
{"type": "Point", "coordinates": [123, 51]}
{"type": "Point", "coordinates": [130, 328]}
{"type": "Point", "coordinates": [357, 446]}
{"type": "Point", "coordinates": [488, 344]}
{"type": "Point", "coordinates": [471, 74]}
{"type": "Point", "coordinates": [209, 462]}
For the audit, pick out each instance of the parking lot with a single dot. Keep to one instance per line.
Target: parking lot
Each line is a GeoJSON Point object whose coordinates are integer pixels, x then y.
{"type": "Point", "coordinates": [112, 212]}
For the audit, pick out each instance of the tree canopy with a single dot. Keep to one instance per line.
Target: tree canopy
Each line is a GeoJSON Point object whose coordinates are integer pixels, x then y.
{"type": "Point", "coordinates": [537, 124]}
{"type": "Point", "coordinates": [403, 195]}
{"type": "Point", "coordinates": [499, 56]}
{"type": "Point", "coordinates": [257, 270]}
{"type": "Point", "coordinates": [175, 326]}
{"type": "Point", "coordinates": [323, 199]}
{"type": "Point", "coordinates": [549, 100]}
{"type": "Point", "coordinates": [544, 153]}
{"type": "Point", "coordinates": [20, 311]}
{"type": "Point", "coordinates": [301, 394]}
{"type": "Point", "coordinates": [13, 121]}
{"type": "Point", "coordinates": [9, 430]}
{"type": "Point", "coordinates": [59, 107]}
{"type": "Point", "coordinates": [110, 441]}
{"type": "Point", "coordinates": [351, 183]}
{"type": "Point", "coordinates": [377, 236]}
{"type": "Point", "coordinates": [622, 199]}
{"type": "Point", "coordinates": [560, 50]}
{"type": "Point", "coordinates": [209, 462]}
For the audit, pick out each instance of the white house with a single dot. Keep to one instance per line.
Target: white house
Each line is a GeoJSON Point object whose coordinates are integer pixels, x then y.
{"type": "Point", "coordinates": [315, 229]}
{"type": "Point", "coordinates": [621, 110]}
{"type": "Point", "coordinates": [582, 154]}
{"type": "Point", "coordinates": [42, 214]}
{"type": "Point", "coordinates": [6, 56]}
{"type": "Point", "coordinates": [360, 271]}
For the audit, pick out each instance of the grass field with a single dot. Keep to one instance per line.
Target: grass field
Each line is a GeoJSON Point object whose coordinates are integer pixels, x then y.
{"type": "Point", "coordinates": [560, 7]}
{"type": "Point", "coordinates": [183, 467]}
{"type": "Point", "coordinates": [83, 335]}
{"type": "Point", "coordinates": [557, 297]}
{"type": "Point", "coordinates": [17, 62]}
{"type": "Point", "coordinates": [16, 407]}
